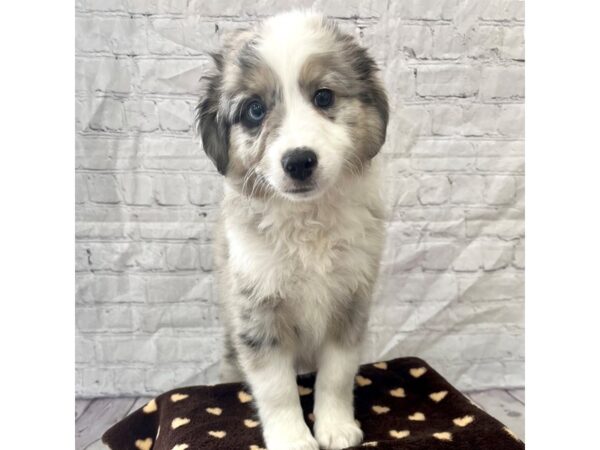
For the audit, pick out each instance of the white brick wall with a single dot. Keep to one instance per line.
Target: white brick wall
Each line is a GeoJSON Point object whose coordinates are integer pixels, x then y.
{"type": "Point", "coordinates": [451, 287]}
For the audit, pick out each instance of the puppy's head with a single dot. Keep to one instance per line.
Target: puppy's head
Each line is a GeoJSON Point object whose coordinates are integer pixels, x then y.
{"type": "Point", "coordinates": [291, 107]}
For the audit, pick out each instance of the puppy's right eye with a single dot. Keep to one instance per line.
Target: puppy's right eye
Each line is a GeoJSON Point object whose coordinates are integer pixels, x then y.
{"type": "Point", "coordinates": [254, 113]}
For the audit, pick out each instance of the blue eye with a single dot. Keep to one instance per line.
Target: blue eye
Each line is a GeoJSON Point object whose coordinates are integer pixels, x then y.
{"type": "Point", "coordinates": [323, 98]}
{"type": "Point", "coordinates": [255, 113]}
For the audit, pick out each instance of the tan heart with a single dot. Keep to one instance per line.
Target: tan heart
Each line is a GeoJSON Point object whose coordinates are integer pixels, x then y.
{"type": "Point", "coordinates": [380, 409]}
{"type": "Point", "coordinates": [362, 381]}
{"type": "Point", "coordinates": [244, 397]}
{"type": "Point", "coordinates": [417, 371]}
{"type": "Point", "coordinates": [399, 434]}
{"type": "Point", "coordinates": [214, 411]}
{"type": "Point", "coordinates": [443, 436]}
{"type": "Point", "coordinates": [145, 444]}
{"type": "Point", "coordinates": [150, 406]}
{"type": "Point", "coordinates": [398, 392]}
{"type": "Point", "coordinates": [463, 421]}
{"type": "Point", "coordinates": [218, 434]}
{"type": "Point", "coordinates": [256, 447]}
{"type": "Point", "coordinates": [179, 422]}
{"type": "Point", "coordinates": [251, 423]}
{"type": "Point", "coordinates": [178, 397]}
{"type": "Point", "coordinates": [381, 365]}
{"type": "Point", "coordinates": [311, 416]}
{"type": "Point", "coordinates": [370, 444]}
{"type": "Point", "coordinates": [417, 417]}
{"type": "Point", "coordinates": [180, 447]}
{"type": "Point", "coordinates": [438, 396]}
{"type": "Point", "coordinates": [304, 391]}
{"type": "Point", "coordinates": [511, 434]}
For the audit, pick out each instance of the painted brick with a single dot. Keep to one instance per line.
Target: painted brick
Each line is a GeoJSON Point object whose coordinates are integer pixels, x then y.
{"type": "Point", "coordinates": [170, 190]}
{"type": "Point", "coordinates": [469, 120]}
{"type": "Point", "coordinates": [425, 9]}
{"type": "Point", "coordinates": [98, 74]}
{"type": "Point", "coordinates": [205, 190]}
{"type": "Point", "coordinates": [172, 76]}
{"type": "Point", "coordinates": [106, 115]}
{"type": "Point", "coordinates": [496, 254]}
{"type": "Point", "coordinates": [467, 189]}
{"type": "Point", "coordinates": [113, 349]}
{"type": "Point", "coordinates": [175, 115]}
{"type": "Point", "coordinates": [118, 35]}
{"type": "Point", "coordinates": [147, 197]}
{"type": "Point", "coordinates": [103, 188]}
{"type": "Point", "coordinates": [142, 115]}
{"type": "Point", "coordinates": [136, 189]}
{"type": "Point", "coordinates": [499, 190]}
{"type": "Point", "coordinates": [444, 81]}
{"type": "Point", "coordinates": [502, 82]}
{"type": "Point", "coordinates": [448, 43]}
{"type": "Point", "coordinates": [439, 256]}
{"type": "Point", "coordinates": [434, 190]}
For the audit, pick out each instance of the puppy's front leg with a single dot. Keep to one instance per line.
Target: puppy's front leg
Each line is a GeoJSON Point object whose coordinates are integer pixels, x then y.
{"type": "Point", "coordinates": [335, 427]}
{"type": "Point", "coordinates": [273, 381]}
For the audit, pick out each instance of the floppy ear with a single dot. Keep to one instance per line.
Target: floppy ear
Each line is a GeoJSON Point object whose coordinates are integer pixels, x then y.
{"type": "Point", "coordinates": [379, 100]}
{"type": "Point", "coordinates": [212, 126]}
{"type": "Point", "coordinates": [371, 132]}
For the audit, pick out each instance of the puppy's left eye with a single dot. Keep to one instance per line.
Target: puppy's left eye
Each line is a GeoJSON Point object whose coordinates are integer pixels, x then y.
{"type": "Point", "coordinates": [323, 98]}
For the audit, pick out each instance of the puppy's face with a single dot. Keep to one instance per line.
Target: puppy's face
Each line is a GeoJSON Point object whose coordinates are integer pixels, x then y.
{"type": "Point", "coordinates": [293, 106]}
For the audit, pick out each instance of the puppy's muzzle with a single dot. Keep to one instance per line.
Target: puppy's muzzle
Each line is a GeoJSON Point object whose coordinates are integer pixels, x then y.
{"type": "Point", "coordinates": [300, 163]}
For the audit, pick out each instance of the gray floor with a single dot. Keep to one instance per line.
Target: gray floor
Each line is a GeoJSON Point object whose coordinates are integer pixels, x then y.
{"type": "Point", "coordinates": [93, 417]}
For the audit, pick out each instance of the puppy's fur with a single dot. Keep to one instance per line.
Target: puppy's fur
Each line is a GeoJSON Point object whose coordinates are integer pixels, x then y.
{"type": "Point", "coordinates": [297, 259]}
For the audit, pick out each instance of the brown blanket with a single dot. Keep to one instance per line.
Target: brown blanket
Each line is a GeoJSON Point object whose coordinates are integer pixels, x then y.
{"type": "Point", "coordinates": [400, 404]}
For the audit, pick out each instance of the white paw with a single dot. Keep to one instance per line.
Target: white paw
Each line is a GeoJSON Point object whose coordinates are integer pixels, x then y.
{"type": "Point", "coordinates": [335, 435]}
{"type": "Point", "coordinates": [304, 442]}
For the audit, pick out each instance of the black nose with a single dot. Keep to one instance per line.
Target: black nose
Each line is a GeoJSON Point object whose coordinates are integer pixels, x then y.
{"type": "Point", "coordinates": [299, 163]}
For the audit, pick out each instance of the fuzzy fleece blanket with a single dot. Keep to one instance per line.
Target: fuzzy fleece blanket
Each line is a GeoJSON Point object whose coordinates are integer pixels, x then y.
{"type": "Point", "coordinates": [400, 404]}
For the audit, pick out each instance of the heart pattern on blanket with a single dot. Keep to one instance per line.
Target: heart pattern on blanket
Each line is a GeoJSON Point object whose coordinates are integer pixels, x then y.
{"type": "Point", "coordinates": [251, 423]}
{"type": "Point", "coordinates": [214, 411]}
{"type": "Point", "coordinates": [399, 434]}
{"type": "Point", "coordinates": [417, 372]}
{"type": "Point", "coordinates": [362, 381]}
{"type": "Point", "coordinates": [443, 436]}
{"type": "Point", "coordinates": [380, 409]}
{"type": "Point", "coordinates": [398, 392]}
{"type": "Point", "coordinates": [150, 406]}
{"type": "Point", "coordinates": [304, 391]}
{"type": "Point", "coordinates": [398, 403]}
{"type": "Point", "coordinates": [244, 397]}
{"type": "Point", "coordinates": [144, 444]}
{"type": "Point", "coordinates": [179, 422]}
{"type": "Point", "coordinates": [181, 447]}
{"type": "Point", "coordinates": [438, 396]}
{"type": "Point", "coordinates": [218, 434]}
{"type": "Point", "coordinates": [417, 417]}
{"type": "Point", "coordinates": [178, 397]}
{"type": "Point", "coordinates": [463, 421]}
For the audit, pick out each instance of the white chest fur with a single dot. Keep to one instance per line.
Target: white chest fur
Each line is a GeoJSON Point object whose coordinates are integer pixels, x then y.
{"type": "Point", "coordinates": [311, 255]}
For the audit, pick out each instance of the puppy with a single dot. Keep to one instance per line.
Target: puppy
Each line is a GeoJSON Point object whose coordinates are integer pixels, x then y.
{"type": "Point", "coordinates": [293, 116]}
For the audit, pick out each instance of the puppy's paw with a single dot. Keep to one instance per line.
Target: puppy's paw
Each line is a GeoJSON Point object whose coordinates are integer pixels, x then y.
{"type": "Point", "coordinates": [304, 442]}
{"type": "Point", "coordinates": [335, 435]}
